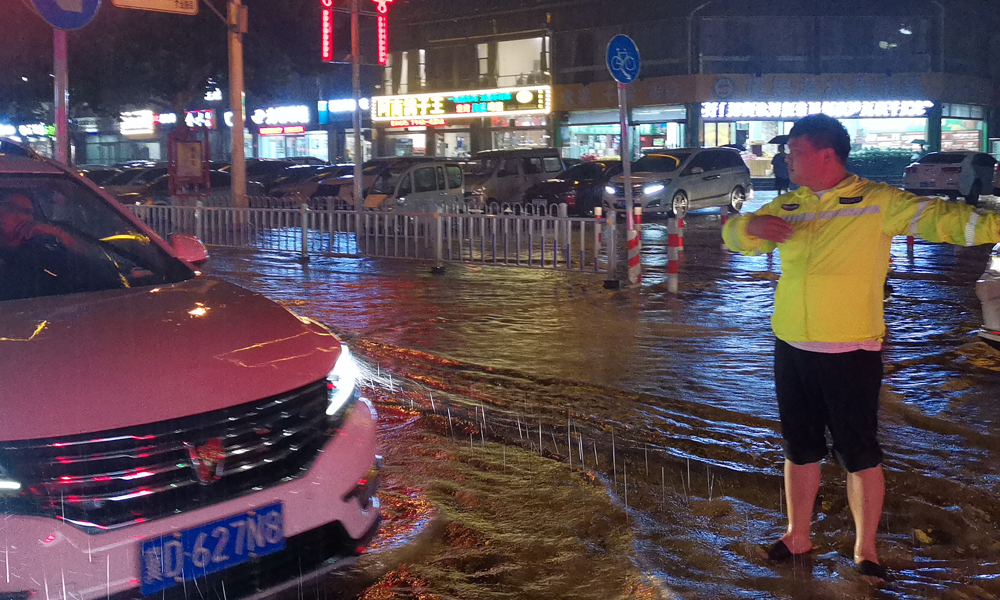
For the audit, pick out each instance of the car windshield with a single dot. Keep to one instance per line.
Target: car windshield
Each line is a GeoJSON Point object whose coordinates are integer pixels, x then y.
{"type": "Point", "coordinates": [941, 158]}
{"type": "Point", "coordinates": [660, 163]}
{"type": "Point", "coordinates": [483, 166]}
{"type": "Point", "coordinates": [124, 177]}
{"type": "Point", "coordinates": [99, 177]}
{"type": "Point", "coordinates": [386, 182]}
{"type": "Point", "coordinates": [57, 237]}
{"type": "Point", "coordinates": [586, 170]}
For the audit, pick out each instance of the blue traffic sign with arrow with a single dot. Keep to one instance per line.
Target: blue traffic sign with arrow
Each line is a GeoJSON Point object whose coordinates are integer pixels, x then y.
{"type": "Point", "coordinates": [66, 14]}
{"type": "Point", "coordinates": [623, 59]}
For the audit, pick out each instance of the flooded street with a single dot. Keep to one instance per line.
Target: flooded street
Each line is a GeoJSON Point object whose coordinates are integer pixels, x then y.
{"type": "Point", "coordinates": [547, 438]}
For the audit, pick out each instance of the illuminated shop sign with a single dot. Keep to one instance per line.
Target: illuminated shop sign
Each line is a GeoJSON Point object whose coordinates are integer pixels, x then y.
{"type": "Point", "coordinates": [7, 130]}
{"type": "Point", "coordinates": [326, 30]}
{"type": "Point", "coordinates": [382, 29]}
{"type": "Point", "coordinates": [33, 130]}
{"type": "Point", "coordinates": [137, 122]}
{"type": "Point", "coordinates": [165, 118]}
{"type": "Point", "coordinates": [200, 118]}
{"type": "Point", "coordinates": [416, 122]}
{"type": "Point", "coordinates": [793, 110]}
{"type": "Point", "coordinates": [281, 115]}
{"type": "Point", "coordinates": [286, 130]}
{"type": "Point", "coordinates": [535, 100]}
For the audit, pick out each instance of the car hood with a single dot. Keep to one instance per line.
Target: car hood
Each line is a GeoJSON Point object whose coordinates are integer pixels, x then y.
{"type": "Point", "coordinates": [644, 177]}
{"type": "Point", "coordinates": [93, 362]}
{"type": "Point", "coordinates": [551, 186]}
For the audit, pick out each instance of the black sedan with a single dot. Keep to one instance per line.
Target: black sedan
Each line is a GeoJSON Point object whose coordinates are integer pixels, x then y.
{"type": "Point", "coordinates": [581, 187]}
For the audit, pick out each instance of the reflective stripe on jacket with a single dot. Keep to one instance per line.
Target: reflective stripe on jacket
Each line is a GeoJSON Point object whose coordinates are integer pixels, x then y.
{"type": "Point", "coordinates": [834, 266]}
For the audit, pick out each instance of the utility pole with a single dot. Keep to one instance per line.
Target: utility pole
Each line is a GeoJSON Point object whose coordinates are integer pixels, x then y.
{"type": "Point", "coordinates": [356, 84]}
{"type": "Point", "coordinates": [237, 23]}
{"type": "Point", "coordinates": [62, 154]}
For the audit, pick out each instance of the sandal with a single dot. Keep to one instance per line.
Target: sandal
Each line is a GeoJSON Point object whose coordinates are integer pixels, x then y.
{"type": "Point", "coordinates": [778, 552]}
{"type": "Point", "coordinates": [874, 572]}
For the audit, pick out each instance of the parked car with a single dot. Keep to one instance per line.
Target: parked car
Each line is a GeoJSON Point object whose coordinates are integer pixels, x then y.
{"type": "Point", "coordinates": [341, 187]}
{"type": "Point", "coordinates": [671, 183]}
{"type": "Point", "coordinates": [304, 181]}
{"type": "Point", "coordinates": [133, 180]}
{"type": "Point", "coordinates": [264, 171]}
{"type": "Point", "coordinates": [504, 175]}
{"type": "Point", "coordinates": [418, 187]}
{"type": "Point", "coordinates": [988, 290]}
{"type": "Point", "coordinates": [580, 186]}
{"type": "Point", "coordinates": [951, 174]}
{"type": "Point", "coordinates": [158, 191]}
{"type": "Point", "coordinates": [160, 424]}
{"type": "Point", "coordinates": [97, 173]}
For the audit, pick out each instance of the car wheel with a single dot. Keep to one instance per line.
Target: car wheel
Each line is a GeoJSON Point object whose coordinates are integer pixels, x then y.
{"type": "Point", "coordinates": [679, 205]}
{"type": "Point", "coordinates": [736, 199]}
{"type": "Point", "coordinates": [972, 199]}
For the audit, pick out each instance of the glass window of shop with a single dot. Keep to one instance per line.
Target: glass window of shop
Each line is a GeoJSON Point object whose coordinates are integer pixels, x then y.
{"type": "Point", "coordinates": [963, 127]}
{"type": "Point", "coordinates": [408, 142]}
{"type": "Point", "coordinates": [520, 132]}
{"type": "Point", "coordinates": [453, 141]}
{"type": "Point", "coordinates": [311, 143]}
{"type": "Point", "coordinates": [591, 135]}
{"type": "Point", "coordinates": [658, 127]}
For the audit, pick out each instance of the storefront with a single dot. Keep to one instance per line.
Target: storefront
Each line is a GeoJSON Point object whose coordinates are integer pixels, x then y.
{"type": "Point", "coordinates": [963, 127]}
{"type": "Point", "coordinates": [458, 124]}
{"type": "Point", "coordinates": [337, 116]}
{"type": "Point", "coordinates": [289, 132]}
{"type": "Point", "coordinates": [596, 134]}
{"type": "Point", "coordinates": [37, 135]}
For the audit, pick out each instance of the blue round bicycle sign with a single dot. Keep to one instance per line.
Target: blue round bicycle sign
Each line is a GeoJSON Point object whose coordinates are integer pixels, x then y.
{"type": "Point", "coordinates": [623, 59]}
{"type": "Point", "coordinates": [67, 14]}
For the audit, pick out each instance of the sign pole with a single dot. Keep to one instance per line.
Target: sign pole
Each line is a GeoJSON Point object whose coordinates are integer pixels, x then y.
{"type": "Point", "coordinates": [61, 65]}
{"type": "Point", "coordinates": [359, 155]}
{"type": "Point", "coordinates": [626, 152]}
{"type": "Point", "coordinates": [237, 102]}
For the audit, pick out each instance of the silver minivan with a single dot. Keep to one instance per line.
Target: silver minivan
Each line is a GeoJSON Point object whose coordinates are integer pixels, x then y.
{"type": "Point", "coordinates": [675, 181]}
{"type": "Point", "coordinates": [504, 175]}
{"type": "Point", "coordinates": [418, 188]}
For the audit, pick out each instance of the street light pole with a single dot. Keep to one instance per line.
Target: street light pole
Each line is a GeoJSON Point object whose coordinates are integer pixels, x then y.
{"type": "Point", "coordinates": [237, 27]}
{"type": "Point", "coordinates": [59, 44]}
{"type": "Point", "coordinates": [356, 84]}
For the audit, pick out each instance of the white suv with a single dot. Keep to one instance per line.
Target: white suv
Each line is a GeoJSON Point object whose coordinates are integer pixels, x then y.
{"type": "Point", "coordinates": [951, 174]}
{"type": "Point", "coordinates": [163, 431]}
{"type": "Point", "coordinates": [675, 181]}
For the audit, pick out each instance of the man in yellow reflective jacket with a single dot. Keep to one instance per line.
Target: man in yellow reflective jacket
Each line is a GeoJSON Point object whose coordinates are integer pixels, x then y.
{"type": "Point", "coordinates": [834, 234]}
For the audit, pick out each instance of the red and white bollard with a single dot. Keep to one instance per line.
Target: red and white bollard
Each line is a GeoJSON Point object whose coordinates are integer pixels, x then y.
{"type": "Point", "coordinates": [680, 234]}
{"type": "Point", "coordinates": [597, 215]}
{"type": "Point", "coordinates": [635, 248]}
{"type": "Point", "coordinates": [724, 213]}
{"type": "Point", "coordinates": [673, 255]}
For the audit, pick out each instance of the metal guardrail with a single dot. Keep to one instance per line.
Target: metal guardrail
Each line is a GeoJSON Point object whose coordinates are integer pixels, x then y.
{"type": "Point", "coordinates": [503, 235]}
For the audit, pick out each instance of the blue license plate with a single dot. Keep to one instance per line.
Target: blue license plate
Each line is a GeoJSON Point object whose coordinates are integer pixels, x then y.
{"type": "Point", "coordinates": [927, 184]}
{"type": "Point", "coordinates": [182, 556]}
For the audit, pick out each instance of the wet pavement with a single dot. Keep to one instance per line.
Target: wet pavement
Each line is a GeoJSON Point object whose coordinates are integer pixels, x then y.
{"type": "Point", "coordinates": [492, 380]}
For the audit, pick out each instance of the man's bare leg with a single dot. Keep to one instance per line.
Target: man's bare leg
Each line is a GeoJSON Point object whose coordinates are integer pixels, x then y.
{"type": "Point", "coordinates": [865, 493]}
{"type": "Point", "coordinates": [801, 486]}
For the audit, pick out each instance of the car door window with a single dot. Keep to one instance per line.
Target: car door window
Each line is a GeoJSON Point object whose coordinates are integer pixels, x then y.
{"type": "Point", "coordinates": [531, 165]}
{"type": "Point", "coordinates": [552, 164]}
{"type": "Point", "coordinates": [702, 160]}
{"type": "Point", "coordinates": [442, 185]}
{"type": "Point", "coordinates": [405, 188]}
{"type": "Point", "coordinates": [424, 180]}
{"type": "Point", "coordinates": [454, 177]}
{"type": "Point", "coordinates": [508, 168]}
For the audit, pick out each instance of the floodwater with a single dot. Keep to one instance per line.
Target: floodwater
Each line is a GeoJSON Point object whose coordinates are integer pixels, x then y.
{"type": "Point", "coordinates": [547, 438]}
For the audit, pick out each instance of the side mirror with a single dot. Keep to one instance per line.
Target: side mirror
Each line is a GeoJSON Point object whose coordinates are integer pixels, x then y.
{"type": "Point", "coordinates": [188, 248]}
{"type": "Point", "coordinates": [697, 170]}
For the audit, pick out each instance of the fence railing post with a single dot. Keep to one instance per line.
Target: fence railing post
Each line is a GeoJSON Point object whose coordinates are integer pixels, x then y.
{"type": "Point", "coordinates": [199, 224]}
{"type": "Point", "coordinates": [438, 267]}
{"type": "Point", "coordinates": [304, 222]}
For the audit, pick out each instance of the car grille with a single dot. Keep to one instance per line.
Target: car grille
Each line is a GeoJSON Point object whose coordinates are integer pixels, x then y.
{"type": "Point", "coordinates": [636, 190]}
{"type": "Point", "coordinates": [115, 478]}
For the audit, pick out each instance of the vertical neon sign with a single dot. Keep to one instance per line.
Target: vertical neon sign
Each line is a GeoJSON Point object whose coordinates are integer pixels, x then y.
{"type": "Point", "coordinates": [383, 31]}
{"type": "Point", "coordinates": [326, 29]}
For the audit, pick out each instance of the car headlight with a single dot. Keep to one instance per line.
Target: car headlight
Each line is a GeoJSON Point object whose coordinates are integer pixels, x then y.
{"type": "Point", "coordinates": [653, 188]}
{"type": "Point", "coordinates": [342, 382]}
{"type": "Point", "coordinates": [610, 190]}
{"type": "Point", "coordinates": [8, 485]}
{"type": "Point", "coordinates": [995, 259]}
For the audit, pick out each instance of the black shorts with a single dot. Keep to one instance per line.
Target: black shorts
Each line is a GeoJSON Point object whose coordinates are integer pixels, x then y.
{"type": "Point", "coordinates": [819, 391]}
